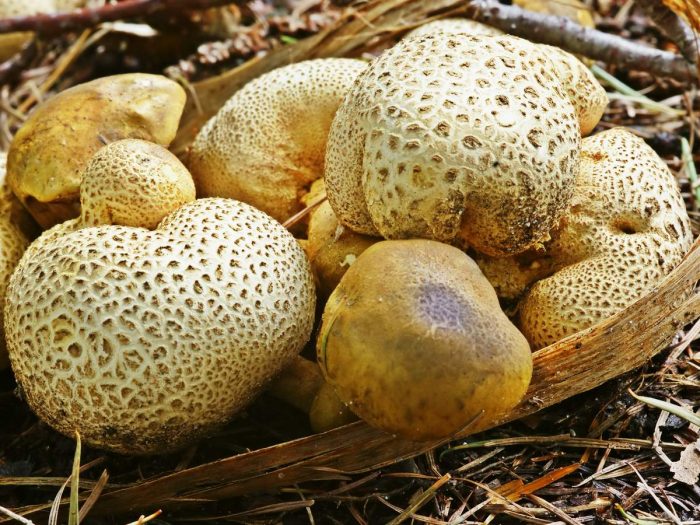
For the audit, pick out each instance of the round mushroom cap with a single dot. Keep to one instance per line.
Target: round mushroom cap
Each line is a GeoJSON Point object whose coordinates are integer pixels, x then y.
{"type": "Point", "coordinates": [145, 340]}
{"type": "Point", "coordinates": [454, 25]}
{"type": "Point", "coordinates": [626, 229]}
{"type": "Point", "coordinates": [267, 144]}
{"type": "Point", "coordinates": [413, 340]}
{"type": "Point", "coordinates": [52, 148]}
{"type": "Point", "coordinates": [13, 242]}
{"type": "Point", "coordinates": [133, 182]}
{"type": "Point", "coordinates": [465, 140]}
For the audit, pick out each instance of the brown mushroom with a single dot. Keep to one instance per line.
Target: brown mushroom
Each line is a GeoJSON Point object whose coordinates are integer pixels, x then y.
{"type": "Point", "coordinates": [413, 340]}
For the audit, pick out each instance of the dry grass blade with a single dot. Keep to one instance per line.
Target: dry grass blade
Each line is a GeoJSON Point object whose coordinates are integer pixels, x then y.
{"type": "Point", "coordinates": [540, 483]}
{"type": "Point", "coordinates": [94, 495]}
{"type": "Point", "coordinates": [553, 509]}
{"type": "Point", "coordinates": [74, 508]}
{"type": "Point", "coordinates": [571, 366]}
{"type": "Point", "coordinates": [14, 516]}
{"type": "Point", "coordinates": [146, 519]}
{"type": "Point", "coordinates": [422, 500]}
{"type": "Point", "coordinates": [57, 501]}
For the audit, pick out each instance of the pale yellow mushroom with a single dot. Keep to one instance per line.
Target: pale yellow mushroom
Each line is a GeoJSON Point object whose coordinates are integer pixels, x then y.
{"type": "Point", "coordinates": [133, 182]}
{"type": "Point", "coordinates": [267, 144]}
{"type": "Point", "coordinates": [465, 140]}
{"type": "Point", "coordinates": [585, 92]}
{"type": "Point", "coordinates": [143, 341]}
{"type": "Point", "coordinates": [13, 242]}
{"type": "Point", "coordinates": [626, 229]}
{"type": "Point", "coordinates": [454, 25]}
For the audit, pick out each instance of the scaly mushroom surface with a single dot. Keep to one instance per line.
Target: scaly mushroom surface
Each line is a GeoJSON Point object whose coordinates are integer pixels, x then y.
{"type": "Point", "coordinates": [465, 140]}
{"type": "Point", "coordinates": [133, 182]}
{"type": "Point", "coordinates": [51, 149]}
{"type": "Point", "coordinates": [626, 229]}
{"type": "Point", "coordinates": [267, 144]}
{"type": "Point", "coordinates": [13, 242]}
{"type": "Point", "coordinates": [146, 340]}
{"type": "Point", "coordinates": [585, 92]}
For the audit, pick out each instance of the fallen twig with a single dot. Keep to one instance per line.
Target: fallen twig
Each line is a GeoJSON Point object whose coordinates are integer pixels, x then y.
{"type": "Point", "coordinates": [52, 24]}
{"type": "Point", "coordinates": [671, 25]}
{"type": "Point", "coordinates": [562, 32]}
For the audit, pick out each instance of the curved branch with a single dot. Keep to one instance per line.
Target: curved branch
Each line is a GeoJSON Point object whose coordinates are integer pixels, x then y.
{"type": "Point", "coordinates": [564, 33]}
{"type": "Point", "coordinates": [52, 24]}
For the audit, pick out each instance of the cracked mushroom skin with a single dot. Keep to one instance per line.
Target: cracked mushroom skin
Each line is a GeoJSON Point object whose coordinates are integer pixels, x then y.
{"type": "Point", "coordinates": [413, 340]}
{"type": "Point", "coordinates": [51, 149]}
{"type": "Point", "coordinates": [146, 340]}
{"type": "Point", "coordinates": [267, 144]}
{"type": "Point", "coordinates": [454, 25]}
{"type": "Point", "coordinates": [585, 92]}
{"type": "Point", "coordinates": [133, 182]}
{"type": "Point", "coordinates": [627, 228]}
{"type": "Point", "coordinates": [13, 242]}
{"type": "Point", "coordinates": [465, 140]}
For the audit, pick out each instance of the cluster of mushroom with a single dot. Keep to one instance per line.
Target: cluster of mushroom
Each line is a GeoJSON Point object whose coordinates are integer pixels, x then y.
{"type": "Point", "coordinates": [151, 318]}
{"type": "Point", "coordinates": [146, 317]}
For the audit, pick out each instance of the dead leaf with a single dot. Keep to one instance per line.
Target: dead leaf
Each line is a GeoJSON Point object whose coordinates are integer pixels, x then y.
{"type": "Point", "coordinates": [687, 468]}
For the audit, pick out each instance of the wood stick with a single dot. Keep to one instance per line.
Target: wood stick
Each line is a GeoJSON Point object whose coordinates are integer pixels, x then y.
{"type": "Point", "coordinates": [54, 24]}
{"type": "Point", "coordinates": [562, 32]}
{"type": "Point", "coordinates": [673, 27]}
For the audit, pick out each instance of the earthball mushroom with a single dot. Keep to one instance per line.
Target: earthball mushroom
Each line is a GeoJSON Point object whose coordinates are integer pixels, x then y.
{"type": "Point", "coordinates": [414, 341]}
{"type": "Point", "coordinates": [13, 242]}
{"type": "Point", "coordinates": [585, 92]}
{"type": "Point", "coordinates": [133, 182]}
{"type": "Point", "coordinates": [143, 340]}
{"type": "Point", "coordinates": [465, 140]}
{"type": "Point", "coordinates": [267, 144]}
{"type": "Point", "coordinates": [627, 228]}
{"type": "Point", "coordinates": [454, 26]}
{"type": "Point", "coordinates": [53, 146]}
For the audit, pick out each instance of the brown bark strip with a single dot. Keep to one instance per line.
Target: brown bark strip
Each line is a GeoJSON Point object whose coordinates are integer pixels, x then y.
{"type": "Point", "coordinates": [564, 33]}
{"type": "Point", "coordinates": [673, 26]}
{"type": "Point", "coordinates": [52, 24]}
{"type": "Point", "coordinates": [572, 366]}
